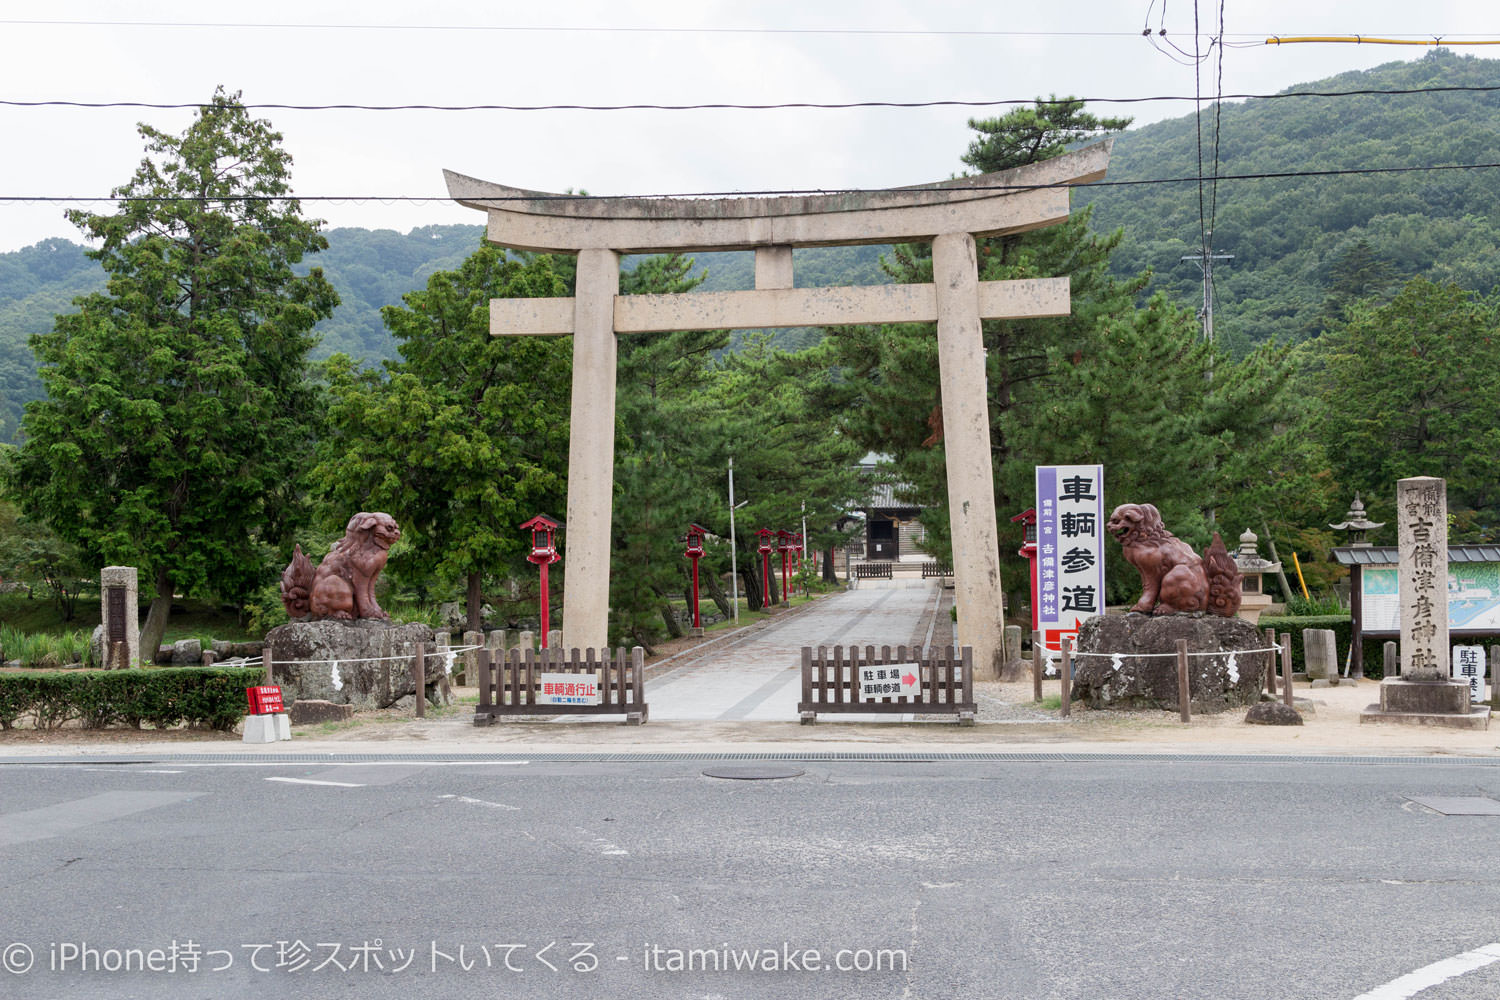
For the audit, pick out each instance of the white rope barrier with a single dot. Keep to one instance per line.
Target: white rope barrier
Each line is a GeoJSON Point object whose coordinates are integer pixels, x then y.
{"type": "Point", "coordinates": [1117, 660]}
{"type": "Point", "coordinates": [1143, 656]}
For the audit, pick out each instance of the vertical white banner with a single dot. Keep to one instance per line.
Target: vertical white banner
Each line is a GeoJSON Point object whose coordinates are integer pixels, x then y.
{"type": "Point", "coordinates": [1070, 548]}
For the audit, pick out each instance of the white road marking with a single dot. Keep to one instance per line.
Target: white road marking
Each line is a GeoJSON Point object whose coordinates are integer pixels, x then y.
{"type": "Point", "coordinates": [480, 802]}
{"type": "Point", "coordinates": [1413, 983]}
{"type": "Point", "coordinates": [311, 781]}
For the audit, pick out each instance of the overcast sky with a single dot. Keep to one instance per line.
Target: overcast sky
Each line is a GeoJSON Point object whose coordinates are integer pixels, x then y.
{"type": "Point", "coordinates": [623, 52]}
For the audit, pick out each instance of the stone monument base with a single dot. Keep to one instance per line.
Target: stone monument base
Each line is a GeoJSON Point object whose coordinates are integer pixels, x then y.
{"type": "Point", "coordinates": [1130, 661]}
{"type": "Point", "coordinates": [1427, 703]}
{"type": "Point", "coordinates": [366, 663]}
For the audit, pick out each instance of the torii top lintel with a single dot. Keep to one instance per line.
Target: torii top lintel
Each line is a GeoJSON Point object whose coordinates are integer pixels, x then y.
{"type": "Point", "coordinates": [1006, 201]}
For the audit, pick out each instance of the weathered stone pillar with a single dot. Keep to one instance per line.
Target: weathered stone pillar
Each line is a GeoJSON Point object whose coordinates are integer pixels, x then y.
{"type": "Point", "coordinates": [1422, 577]}
{"type": "Point", "coordinates": [591, 451]}
{"type": "Point", "coordinates": [1424, 693]}
{"type": "Point", "coordinates": [966, 443]}
{"type": "Point", "coordinates": [119, 599]}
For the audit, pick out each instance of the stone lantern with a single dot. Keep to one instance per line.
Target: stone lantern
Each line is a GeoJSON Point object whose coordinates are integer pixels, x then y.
{"type": "Point", "coordinates": [1356, 524]}
{"type": "Point", "coordinates": [1253, 599]}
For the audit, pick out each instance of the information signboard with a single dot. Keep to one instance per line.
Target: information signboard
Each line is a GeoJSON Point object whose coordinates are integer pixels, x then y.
{"type": "Point", "coordinates": [891, 680]}
{"type": "Point", "coordinates": [1070, 549]}
{"type": "Point", "coordinates": [1467, 665]}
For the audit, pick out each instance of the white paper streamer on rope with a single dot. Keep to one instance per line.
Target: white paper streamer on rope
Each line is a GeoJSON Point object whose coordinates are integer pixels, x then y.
{"type": "Point", "coordinates": [334, 678]}
{"type": "Point", "coordinates": [1116, 662]}
{"type": "Point", "coordinates": [1234, 670]}
{"type": "Point", "coordinates": [1051, 670]}
{"type": "Point", "coordinates": [448, 663]}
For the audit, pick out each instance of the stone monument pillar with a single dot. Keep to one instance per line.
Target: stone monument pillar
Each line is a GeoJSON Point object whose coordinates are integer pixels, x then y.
{"type": "Point", "coordinates": [119, 600]}
{"type": "Point", "coordinates": [1424, 694]}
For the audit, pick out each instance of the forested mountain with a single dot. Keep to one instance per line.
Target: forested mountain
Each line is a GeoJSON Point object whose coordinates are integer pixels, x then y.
{"type": "Point", "coordinates": [1301, 244]}
{"type": "Point", "coordinates": [1299, 241]}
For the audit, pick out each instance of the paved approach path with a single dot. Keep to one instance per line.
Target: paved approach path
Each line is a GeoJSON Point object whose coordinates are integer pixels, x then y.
{"type": "Point", "coordinates": [760, 678]}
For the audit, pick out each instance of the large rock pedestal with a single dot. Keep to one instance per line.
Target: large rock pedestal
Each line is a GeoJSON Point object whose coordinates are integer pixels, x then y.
{"type": "Point", "coordinates": [366, 663]}
{"type": "Point", "coordinates": [1143, 677]}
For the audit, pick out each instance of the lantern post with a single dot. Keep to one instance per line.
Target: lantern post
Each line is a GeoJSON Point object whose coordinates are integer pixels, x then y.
{"type": "Point", "coordinates": [784, 546]}
{"type": "Point", "coordinates": [1027, 518]}
{"type": "Point", "coordinates": [764, 548]}
{"type": "Point", "coordinates": [694, 552]}
{"type": "Point", "coordinates": [543, 554]}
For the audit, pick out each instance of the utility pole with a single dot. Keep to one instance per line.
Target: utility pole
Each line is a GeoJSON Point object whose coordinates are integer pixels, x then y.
{"type": "Point", "coordinates": [1205, 262]}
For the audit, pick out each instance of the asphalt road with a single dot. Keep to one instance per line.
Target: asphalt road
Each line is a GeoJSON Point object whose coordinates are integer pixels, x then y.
{"type": "Point", "coordinates": [1026, 878]}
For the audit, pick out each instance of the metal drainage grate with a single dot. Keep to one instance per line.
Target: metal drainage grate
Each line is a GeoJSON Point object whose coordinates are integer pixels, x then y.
{"type": "Point", "coordinates": [1470, 805]}
{"type": "Point", "coordinates": [756, 773]}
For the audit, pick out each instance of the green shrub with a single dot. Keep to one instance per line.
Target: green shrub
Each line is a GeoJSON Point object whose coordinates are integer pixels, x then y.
{"type": "Point", "coordinates": [210, 697]}
{"type": "Point", "coordinates": [1321, 604]}
{"type": "Point", "coordinates": [43, 650]}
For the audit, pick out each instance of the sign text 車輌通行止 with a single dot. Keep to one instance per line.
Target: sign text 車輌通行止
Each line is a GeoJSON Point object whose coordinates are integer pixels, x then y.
{"type": "Point", "coordinates": [568, 689]}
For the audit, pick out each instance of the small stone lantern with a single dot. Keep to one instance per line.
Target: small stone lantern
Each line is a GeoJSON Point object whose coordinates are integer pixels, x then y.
{"type": "Point", "coordinates": [1357, 525]}
{"type": "Point", "coordinates": [1253, 599]}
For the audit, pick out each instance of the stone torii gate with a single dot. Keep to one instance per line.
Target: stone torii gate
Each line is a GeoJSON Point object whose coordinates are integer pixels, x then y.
{"type": "Point", "coordinates": [950, 214]}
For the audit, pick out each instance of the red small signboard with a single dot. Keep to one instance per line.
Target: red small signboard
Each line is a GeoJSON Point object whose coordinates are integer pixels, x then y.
{"type": "Point", "coordinates": [265, 700]}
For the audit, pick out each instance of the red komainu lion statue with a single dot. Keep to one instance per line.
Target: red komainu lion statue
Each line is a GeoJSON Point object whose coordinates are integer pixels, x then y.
{"type": "Point", "coordinates": [343, 585]}
{"type": "Point", "coordinates": [1173, 577]}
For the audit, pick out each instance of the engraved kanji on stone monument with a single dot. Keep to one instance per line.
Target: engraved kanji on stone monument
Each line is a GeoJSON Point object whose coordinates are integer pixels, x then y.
{"type": "Point", "coordinates": [1422, 537]}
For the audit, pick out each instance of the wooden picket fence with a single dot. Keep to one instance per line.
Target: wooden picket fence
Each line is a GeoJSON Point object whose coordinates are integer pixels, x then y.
{"type": "Point", "coordinates": [830, 682]}
{"type": "Point", "coordinates": [510, 683]}
{"type": "Point", "coordinates": [935, 570]}
{"type": "Point", "coordinates": [872, 571]}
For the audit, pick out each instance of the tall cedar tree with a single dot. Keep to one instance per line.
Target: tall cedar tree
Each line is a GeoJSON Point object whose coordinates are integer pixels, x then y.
{"type": "Point", "coordinates": [178, 413]}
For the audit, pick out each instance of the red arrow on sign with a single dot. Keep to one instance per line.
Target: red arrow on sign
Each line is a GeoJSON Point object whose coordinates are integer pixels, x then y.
{"type": "Point", "coordinates": [909, 680]}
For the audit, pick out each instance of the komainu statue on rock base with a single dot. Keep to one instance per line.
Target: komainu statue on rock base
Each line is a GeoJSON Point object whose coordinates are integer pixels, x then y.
{"type": "Point", "coordinates": [343, 585]}
{"type": "Point", "coordinates": [1173, 577]}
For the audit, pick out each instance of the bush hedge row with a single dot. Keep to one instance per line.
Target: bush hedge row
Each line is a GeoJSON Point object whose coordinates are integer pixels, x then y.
{"type": "Point", "coordinates": [1343, 628]}
{"type": "Point", "coordinates": [203, 697]}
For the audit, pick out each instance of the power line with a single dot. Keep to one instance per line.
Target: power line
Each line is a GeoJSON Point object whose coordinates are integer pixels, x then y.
{"type": "Point", "coordinates": [785, 192]}
{"type": "Point", "coordinates": [569, 29]}
{"type": "Point", "coordinates": [730, 106]}
{"type": "Point", "coordinates": [1419, 38]}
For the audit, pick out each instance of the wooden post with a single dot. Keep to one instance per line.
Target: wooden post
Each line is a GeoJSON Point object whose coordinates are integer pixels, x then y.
{"type": "Point", "coordinates": [1036, 666]}
{"type": "Point", "coordinates": [1286, 668]}
{"type": "Point", "coordinates": [419, 671]}
{"type": "Point", "coordinates": [1067, 676]}
{"type": "Point", "coordinates": [1271, 661]}
{"type": "Point", "coordinates": [1494, 666]}
{"type": "Point", "coordinates": [1184, 694]}
{"type": "Point", "coordinates": [265, 659]}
